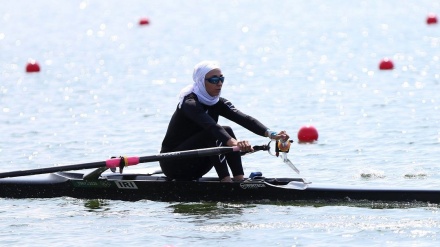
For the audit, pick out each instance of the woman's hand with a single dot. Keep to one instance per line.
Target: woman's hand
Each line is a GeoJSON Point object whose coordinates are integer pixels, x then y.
{"type": "Point", "coordinates": [282, 135]}
{"type": "Point", "coordinates": [244, 145]}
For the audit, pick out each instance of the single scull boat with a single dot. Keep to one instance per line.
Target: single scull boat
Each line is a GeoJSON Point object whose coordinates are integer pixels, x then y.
{"type": "Point", "coordinates": [133, 187]}
{"type": "Point", "coordinates": [153, 186]}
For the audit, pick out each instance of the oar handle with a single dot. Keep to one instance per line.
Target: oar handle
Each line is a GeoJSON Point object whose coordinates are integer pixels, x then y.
{"type": "Point", "coordinates": [261, 147]}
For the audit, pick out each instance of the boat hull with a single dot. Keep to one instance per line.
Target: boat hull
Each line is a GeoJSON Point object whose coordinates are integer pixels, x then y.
{"type": "Point", "coordinates": [134, 187]}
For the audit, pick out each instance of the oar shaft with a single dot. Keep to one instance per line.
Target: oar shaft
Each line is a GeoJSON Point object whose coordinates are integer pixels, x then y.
{"type": "Point", "coordinates": [188, 154]}
{"type": "Point", "coordinates": [52, 169]}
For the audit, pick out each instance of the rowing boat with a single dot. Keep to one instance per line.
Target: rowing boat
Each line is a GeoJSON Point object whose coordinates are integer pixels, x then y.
{"type": "Point", "coordinates": [98, 184]}
{"type": "Point", "coordinates": [133, 187]}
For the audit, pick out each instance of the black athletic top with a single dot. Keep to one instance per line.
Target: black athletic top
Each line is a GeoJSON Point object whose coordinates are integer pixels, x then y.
{"type": "Point", "coordinates": [194, 117]}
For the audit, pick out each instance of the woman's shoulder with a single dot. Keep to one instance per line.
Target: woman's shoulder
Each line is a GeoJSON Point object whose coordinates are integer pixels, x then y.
{"type": "Point", "coordinates": [191, 102]}
{"type": "Point", "coordinates": [190, 99]}
{"type": "Point", "coordinates": [191, 96]}
{"type": "Point", "coordinates": [227, 103]}
{"type": "Point", "coordinates": [223, 100]}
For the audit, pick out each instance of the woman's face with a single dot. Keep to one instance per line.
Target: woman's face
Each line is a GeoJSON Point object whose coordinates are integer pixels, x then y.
{"type": "Point", "coordinates": [213, 89]}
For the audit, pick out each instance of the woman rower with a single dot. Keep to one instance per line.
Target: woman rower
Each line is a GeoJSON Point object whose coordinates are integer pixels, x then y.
{"type": "Point", "coordinates": [194, 125]}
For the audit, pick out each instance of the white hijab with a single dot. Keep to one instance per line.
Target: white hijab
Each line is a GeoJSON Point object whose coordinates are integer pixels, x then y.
{"type": "Point", "coordinates": [198, 87]}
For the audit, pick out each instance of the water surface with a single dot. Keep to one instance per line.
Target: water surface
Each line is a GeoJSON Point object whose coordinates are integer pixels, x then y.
{"type": "Point", "coordinates": [109, 86]}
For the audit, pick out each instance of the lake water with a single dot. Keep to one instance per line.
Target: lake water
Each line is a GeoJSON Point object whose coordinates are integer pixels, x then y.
{"type": "Point", "coordinates": [108, 87]}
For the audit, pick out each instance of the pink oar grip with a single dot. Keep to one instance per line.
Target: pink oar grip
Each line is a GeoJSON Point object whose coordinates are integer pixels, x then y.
{"type": "Point", "coordinates": [236, 148]}
{"type": "Point", "coordinates": [113, 163]}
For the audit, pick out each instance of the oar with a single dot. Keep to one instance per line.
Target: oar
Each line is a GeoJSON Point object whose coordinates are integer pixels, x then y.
{"type": "Point", "coordinates": [283, 148]}
{"type": "Point", "coordinates": [125, 161]}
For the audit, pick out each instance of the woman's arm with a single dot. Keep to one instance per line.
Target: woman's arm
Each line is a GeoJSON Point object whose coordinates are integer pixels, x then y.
{"type": "Point", "coordinates": [228, 110]}
{"type": "Point", "coordinates": [195, 111]}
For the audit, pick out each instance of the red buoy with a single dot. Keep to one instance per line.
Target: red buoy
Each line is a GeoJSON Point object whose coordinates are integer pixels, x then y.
{"type": "Point", "coordinates": [431, 19]}
{"type": "Point", "coordinates": [307, 133]}
{"type": "Point", "coordinates": [386, 64]}
{"type": "Point", "coordinates": [32, 66]}
{"type": "Point", "coordinates": [144, 21]}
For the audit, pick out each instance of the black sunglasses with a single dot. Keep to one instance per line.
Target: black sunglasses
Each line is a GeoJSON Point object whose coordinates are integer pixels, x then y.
{"type": "Point", "coordinates": [216, 79]}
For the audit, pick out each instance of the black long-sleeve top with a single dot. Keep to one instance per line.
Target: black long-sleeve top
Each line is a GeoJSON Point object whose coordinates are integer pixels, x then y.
{"type": "Point", "coordinates": [194, 117]}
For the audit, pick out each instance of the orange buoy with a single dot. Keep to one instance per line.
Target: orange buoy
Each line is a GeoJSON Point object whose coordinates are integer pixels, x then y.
{"type": "Point", "coordinates": [307, 133]}
{"type": "Point", "coordinates": [431, 19]}
{"type": "Point", "coordinates": [144, 21]}
{"type": "Point", "coordinates": [32, 66]}
{"type": "Point", "coordinates": [386, 64]}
